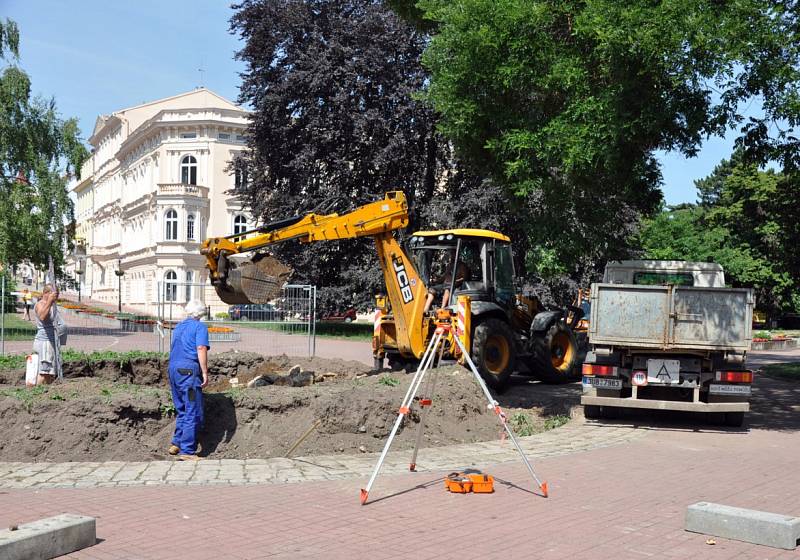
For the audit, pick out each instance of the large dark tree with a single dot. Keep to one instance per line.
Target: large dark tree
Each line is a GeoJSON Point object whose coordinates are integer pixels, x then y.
{"type": "Point", "coordinates": [336, 122]}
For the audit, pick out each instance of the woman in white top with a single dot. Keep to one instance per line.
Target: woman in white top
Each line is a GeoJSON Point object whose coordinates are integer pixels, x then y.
{"type": "Point", "coordinates": [49, 329]}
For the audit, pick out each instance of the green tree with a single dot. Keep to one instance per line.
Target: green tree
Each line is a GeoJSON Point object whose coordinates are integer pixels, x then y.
{"type": "Point", "coordinates": [38, 153]}
{"type": "Point", "coordinates": [565, 103]}
{"type": "Point", "coordinates": [746, 226]}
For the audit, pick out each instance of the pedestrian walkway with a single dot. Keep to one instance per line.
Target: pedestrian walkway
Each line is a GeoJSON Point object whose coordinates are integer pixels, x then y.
{"type": "Point", "coordinates": [617, 502]}
{"type": "Point", "coordinates": [575, 436]}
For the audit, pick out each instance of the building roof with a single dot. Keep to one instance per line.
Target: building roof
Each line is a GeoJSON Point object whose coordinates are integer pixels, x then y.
{"type": "Point", "coordinates": [136, 115]}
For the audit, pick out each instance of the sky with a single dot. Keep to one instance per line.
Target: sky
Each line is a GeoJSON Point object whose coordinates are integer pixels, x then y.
{"type": "Point", "coordinates": [99, 57]}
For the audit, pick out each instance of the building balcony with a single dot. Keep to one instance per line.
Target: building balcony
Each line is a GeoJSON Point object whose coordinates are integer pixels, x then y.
{"type": "Point", "coordinates": [182, 189]}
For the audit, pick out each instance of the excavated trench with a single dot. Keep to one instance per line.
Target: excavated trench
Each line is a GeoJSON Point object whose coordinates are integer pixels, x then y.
{"type": "Point", "coordinates": [111, 411]}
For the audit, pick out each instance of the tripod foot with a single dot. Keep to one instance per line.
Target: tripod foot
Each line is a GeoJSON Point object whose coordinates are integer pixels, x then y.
{"type": "Point", "coordinates": [543, 486]}
{"type": "Point", "coordinates": [412, 467]}
{"type": "Point", "coordinates": [364, 495]}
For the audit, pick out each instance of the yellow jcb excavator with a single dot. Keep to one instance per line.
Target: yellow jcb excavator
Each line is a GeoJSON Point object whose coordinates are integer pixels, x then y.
{"type": "Point", "coordinates": [463, 275]}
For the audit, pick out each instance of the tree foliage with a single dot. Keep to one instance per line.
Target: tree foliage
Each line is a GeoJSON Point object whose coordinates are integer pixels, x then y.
{"type": "Point", "coordinates": [746, 226]}
{"type": "Point", "coordinates": [564, 103]}
{"type": "Point", "coordinates": [336, 122]}
{"type": "Point", "coordinates": [38, 150]}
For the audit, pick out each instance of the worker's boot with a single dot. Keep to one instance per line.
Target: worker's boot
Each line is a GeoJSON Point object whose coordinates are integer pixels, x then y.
{"type": "Point", "coordinates": [188, 458]}
{"type": "Point", "coordinates": [174, 449]}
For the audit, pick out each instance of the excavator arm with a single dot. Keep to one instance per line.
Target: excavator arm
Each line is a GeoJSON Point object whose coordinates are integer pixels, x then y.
{"type": "Point", "coordinates": [259, 279]}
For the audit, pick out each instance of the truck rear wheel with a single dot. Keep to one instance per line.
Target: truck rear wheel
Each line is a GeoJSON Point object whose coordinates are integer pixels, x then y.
{"type": "Point", "coordinates": [555, 355]}
{"type": "Point", "coordinates": [734, 419]}
{"type": "Point", "coordinates": [493, 352]}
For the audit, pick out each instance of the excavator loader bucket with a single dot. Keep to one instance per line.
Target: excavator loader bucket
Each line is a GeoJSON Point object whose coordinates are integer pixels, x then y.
{"type": "Point", "coordinates": [256, 280]}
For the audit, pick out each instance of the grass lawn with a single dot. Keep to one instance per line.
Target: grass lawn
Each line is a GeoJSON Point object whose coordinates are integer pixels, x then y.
{"type": "Point", "coordinates": [17, 361]}
{"type": "Point", "coordinates": [325, 329]}
{"type": "Point", "coordinates": [789, 371]}
{"type": "Point", "coordinates": [17, 328]}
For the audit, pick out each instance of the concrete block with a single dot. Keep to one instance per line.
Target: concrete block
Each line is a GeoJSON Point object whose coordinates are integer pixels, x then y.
{"type": "Point", "coordinates": [48, 538]}
{"type": "Point", "coordinates": [748, 525]}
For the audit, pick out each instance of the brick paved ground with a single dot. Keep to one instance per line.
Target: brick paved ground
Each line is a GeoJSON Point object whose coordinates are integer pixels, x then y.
{"type": "Point", "coordinates": [575, 436]}
{"type": "Point", "coordinates": [619, 502]}
{"type": "Point", "coordinates": [618, 490]}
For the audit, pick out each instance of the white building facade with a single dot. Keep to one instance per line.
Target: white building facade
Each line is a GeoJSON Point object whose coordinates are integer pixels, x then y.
{"type": "Point", "coordinates": [153, 189]}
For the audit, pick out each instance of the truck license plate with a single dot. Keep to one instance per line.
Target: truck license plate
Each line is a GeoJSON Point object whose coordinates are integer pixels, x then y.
{"type": "Point", "coordinates": [729, 389]}
{"type": "Point", "coordinates": [663, 371]}
{"type": "Point", "coordinates": [603, 382]}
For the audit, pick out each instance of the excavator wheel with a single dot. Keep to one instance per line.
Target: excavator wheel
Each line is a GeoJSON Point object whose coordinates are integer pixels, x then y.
{"type": "Point", "coordinates": [555, 355]}
{"type": "Point", "coordinates": [493, 352]}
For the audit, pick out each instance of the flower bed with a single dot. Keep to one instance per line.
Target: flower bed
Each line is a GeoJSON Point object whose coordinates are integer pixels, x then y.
{"type": "Point", "coordinates": [223, 336]}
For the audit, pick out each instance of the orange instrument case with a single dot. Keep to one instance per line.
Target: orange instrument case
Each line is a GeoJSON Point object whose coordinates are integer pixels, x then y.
{"type": "Point", "coordinates": [461, 483]}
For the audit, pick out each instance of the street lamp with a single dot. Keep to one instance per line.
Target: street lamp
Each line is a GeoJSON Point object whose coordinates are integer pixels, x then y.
{"type": "Point", "coordinates": [79, 272]}
{"type": "Point", "coordinates": [120, 273]}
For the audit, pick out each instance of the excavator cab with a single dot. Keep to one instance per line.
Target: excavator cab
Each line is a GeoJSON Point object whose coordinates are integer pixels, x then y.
{"type": "Point", "coordinates": [506, 327]}
{"type": "Point", "coordinates": [473, 262]}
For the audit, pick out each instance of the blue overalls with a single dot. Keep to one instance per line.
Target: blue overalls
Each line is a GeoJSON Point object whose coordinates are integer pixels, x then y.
{"type": "Point", "coordinates": [185, 379]}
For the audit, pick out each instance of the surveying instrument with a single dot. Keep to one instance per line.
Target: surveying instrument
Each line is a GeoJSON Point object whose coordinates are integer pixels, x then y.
{"type": "Point", "coordinates": [443, 335]}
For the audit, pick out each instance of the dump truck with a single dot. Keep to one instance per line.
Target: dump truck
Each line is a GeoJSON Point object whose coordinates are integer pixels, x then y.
{"type": "Point", "coordinates": [464, 274]}
{"type": "Point", "coordinates": [668, 335]}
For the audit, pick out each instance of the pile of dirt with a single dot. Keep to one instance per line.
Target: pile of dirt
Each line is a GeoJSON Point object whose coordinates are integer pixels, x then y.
{"type": "Point", "coordinates": [109, 414]}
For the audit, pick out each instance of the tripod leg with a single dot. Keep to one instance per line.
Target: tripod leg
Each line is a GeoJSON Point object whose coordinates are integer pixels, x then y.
{"type": "Point", "coordinates": [424, 364]}
{"type": "Point", "coordinates": [501, 416]}
{"type": "Point", "coordinates": [425, 404]}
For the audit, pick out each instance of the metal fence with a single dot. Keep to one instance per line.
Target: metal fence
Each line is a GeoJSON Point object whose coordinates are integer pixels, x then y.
{"type": "Point", "coordinates": [90, 326]}
{"type": "Point", "coordinates": [286, 325]}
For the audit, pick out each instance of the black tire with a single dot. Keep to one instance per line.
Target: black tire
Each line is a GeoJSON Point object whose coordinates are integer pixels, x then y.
{"type": "Point", "coordinates": [555, 355]}
{"type": "Point", "coordinates": [734, 419]}
{"type": "Point", "coordinates": [592, 411]}
{"type": "Point", "coordinates": [597, 412]}
{"type": "Point", "coordinates": [493, 352]}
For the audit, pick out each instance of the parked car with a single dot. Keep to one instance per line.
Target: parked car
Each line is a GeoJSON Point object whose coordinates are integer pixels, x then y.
{"type": "Point", "coordinates": [346, 316]}
{"type": "Point", "coordinates": [254, 312]}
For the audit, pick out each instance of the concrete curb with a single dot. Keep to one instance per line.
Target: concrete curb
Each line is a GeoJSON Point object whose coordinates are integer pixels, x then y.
{"type": "Point", "coordinates": [48, 538]}
{"type": "Point", "coordinates": [748, 525]}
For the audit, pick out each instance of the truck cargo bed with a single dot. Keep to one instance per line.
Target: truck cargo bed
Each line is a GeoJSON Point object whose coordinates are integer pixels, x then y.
{"type": "Point", "coordinates": [671, 317]}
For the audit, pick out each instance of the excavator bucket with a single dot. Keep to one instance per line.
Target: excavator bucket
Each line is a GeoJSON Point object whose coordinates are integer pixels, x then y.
{"type": "Point", "coordinates": [255, 280]}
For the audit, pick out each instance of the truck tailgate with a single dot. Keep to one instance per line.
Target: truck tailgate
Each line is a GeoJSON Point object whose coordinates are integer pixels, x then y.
{"type": "Point", "coordinates": [671, 317]}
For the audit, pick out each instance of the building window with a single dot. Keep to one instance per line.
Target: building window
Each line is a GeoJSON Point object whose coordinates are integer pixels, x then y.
{"type": "Point", "coordinates": [240, 177]}
{"type": "Point", "coordinates": [240, 138]}
{"type": "Point", "coordinates": [170, 286]}
{"type": "Point", "coordinates": [189, 280]}
{"type": "Point", "coordinates": [224, 136]}
{"type": "Point", "coordinates": [171, 225]}
{"type": "Point", "coordinates": [239, 224]}
{"type": "Point", "coordinates": [190, 227]}
{"type": "Point", "coordinates": [189, 170]}
{"type": "Point", "coordinates": [189, 135]}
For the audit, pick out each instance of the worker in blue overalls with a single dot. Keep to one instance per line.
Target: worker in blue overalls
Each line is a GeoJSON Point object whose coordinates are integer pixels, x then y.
{"type": "Point", "coordinates": [188, 374]}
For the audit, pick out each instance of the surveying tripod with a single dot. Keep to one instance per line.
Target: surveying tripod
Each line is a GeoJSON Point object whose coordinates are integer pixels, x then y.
{"type": "Point", "coordinates": [441, 335]}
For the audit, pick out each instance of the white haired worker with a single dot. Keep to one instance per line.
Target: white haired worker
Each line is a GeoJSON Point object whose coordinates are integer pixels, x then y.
{"type": "Point", "coordinates": [188, 374]}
